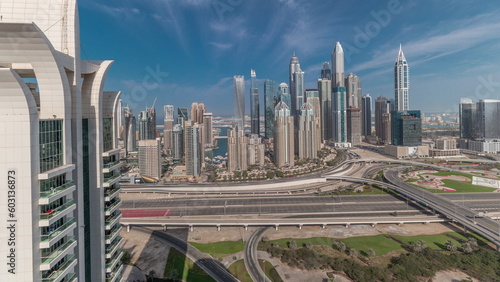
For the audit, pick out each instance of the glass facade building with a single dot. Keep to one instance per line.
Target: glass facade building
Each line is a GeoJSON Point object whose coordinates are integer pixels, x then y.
{"type": "Point", "coordinates": [270, 101]}
{"type": "Point", "coordinates": [406, 127]}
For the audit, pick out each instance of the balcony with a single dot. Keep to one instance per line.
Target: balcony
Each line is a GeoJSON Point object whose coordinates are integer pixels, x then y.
{"type": "Point", "coordinates": [111, 249]}
{"type": "Point", "coordinates": [115, 275]}
{"type": "Point", "coordinates": [56, 171]}
{"type": "Point", "coordinates": [111, 193]}
{"type": "Point", "coordinates": [113, 207]}
{"type": "Point", "coordinates": [49, 239]}
{"type": "Point", "coordinates": [112, 221]}
{"type": "Point", "coordinates": [111, 152]}
{"type": "Point", "coordinates": [60, 273]}
{"type": "Point", "coordinates": [50, 216]}
{"type": "Point", "coordinates": [109, 167]}
{"type": "Point", "coordinates": [47, 197]}
{"type": "Point", "coordinates": [113, 234]}
{"type": "Point", "coordinates": [50, 260]}
{"type": "Point", "coordinates": [116, 260]}
{"type": "Point", "coordinates": [111, 180]}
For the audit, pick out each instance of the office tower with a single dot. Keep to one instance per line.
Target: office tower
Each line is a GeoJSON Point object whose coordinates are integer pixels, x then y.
{"type": "Point", "coordinates": [147, 124]}
{"type": "Point", "coordinates": [182, 116]}
{"type": "Point", "coordinates": [271, 98]}
{"type": "Point", "coordinates": [309, 133]}
{"type": "Point", "coordinates": [236, 150]}
{"type": "Point", "coordinates": [312, 97]}
{"type": "Point", "coordinates": [178, 142]}
{"type": "Point", "coordinates": [256, 150]}
{"type": "Point", "coordinates": [406, 127]}
{"type": "Point", "coordinates": [366, 115]}
{"type": "Point", "coordinates": [468, 119]}
{"type": "Point", "coordinates": [208, 136]}
{"type": "Point", "coordinates": [326, 72]}
{"type": "Point", "coordinates": [130, 127]}
{"type": "Point", "coordinates": [58, 147]}
{"type": "Point", "coordinates": [383, 109]}
{"type": "Point", "coordinates": [296, 86]}
{"type": "Point", "coordinates": [192, 149]}
{"type": "Point", "coordinates": [284, 95]}
{"type": "Point", "coordinates": [339, 96]}
{"type": "Point", "coordinates": [354, 125]}
{"type": "Point", "coordinates": [254, 105]}
{"type": "Point", "coordinates": [283, 137]}
{"type": "Point", "coordinates": [150, 158]}
{"type": "Point", "coordinates": [325, 99]}
{"type": "Point", "coordinates": [239, 101]}
{"type": "Point", "coordinates": [353, 91]}
{"type": "Point", "coordinates": [401, 82]}
{"type": "Point", "coordinates": [168, 126]}
{"type": "Point", "coordinates": [197, 111]}
{"type": "Point", "coordinates": [488, 115]}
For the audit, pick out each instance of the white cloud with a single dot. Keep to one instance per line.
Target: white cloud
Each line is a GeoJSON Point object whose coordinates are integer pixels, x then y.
{"type": "Point", "coordinates": [222, 46]}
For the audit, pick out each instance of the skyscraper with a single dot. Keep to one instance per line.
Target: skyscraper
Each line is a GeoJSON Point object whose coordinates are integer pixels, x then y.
{"type": "Point", "coordinates": [168, 126]}
{"type": "Point", "coordinates": [283, 137]}
{"type": "Point", "coordinates": [254, 105]}
{"type": "Point", "coordinates": [325, 99]}
{"type": "Point", "coordinates": [182, 116]}
{"type": "Point", "coordinates": [239, 101]}
{"type": "Point", "coordinates": [256, 150]}
{"type": "Point", "coordinates": [284, 95]}
{"type": "Point", "coordinates": [353, 91]}
{"type": "Point", "coordinates": [197, 111]}
{"type": "Point", "coordinates": [326, 72]}
{"type": "Point", "coordinates": [152, 122]}
{"type": "Point", "coordinates": [354, 125]}
{"type": "Point", "coordinates": [339, 96]}
{"type": "Point", "coordinates": [236, 150]}
{"type": "Point", "coordinates": [192, 149]}
{"type": "Point", "coordinates": [468, 119]}
{"type": "Point", "coordinates": [58, 147]}
{"type": "Point", "coordinates": [366, 115]}
{"type": "Point", "coordinates": [207, 128]}
{"type": "Point", "coordinates": [150, 158]}
{"type": "Point", "coordinates": [271, 99]}
{"type": "Point", "coordinates": [130, 128]}
{"type": "Point", "coordinates": [178, 142]}
{"type": "Point", "coordinates": [309, 133]}
{"type": "Point", "coordinates": [406, 127]}
{"type": "Point", "coordinates": [383, 109]}
{"type": "Point", "coordinates": [296, 86]}
{"type": "Point", "coordinates": [401, 82]}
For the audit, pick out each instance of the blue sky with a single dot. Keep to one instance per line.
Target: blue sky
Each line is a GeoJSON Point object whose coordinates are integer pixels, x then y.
{"type": "Point", "coordinates": [189, 50]}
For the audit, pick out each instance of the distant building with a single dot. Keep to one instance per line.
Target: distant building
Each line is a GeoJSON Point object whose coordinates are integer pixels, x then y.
{"type": "Point", "coordinates": [150, 158]}
{"type": "Point", "coordinates": [405, 152]}
{"type": "Point", "coordinates": [309, 133]}
{"type": "Point", "coordinates": [283, 137]}
{"type": "Point", "coordinates": [256, 150]}
{"type": "Point", "coordinates": [284, 95]}
{"type": "Point", "coordinates": [271, 99]}
{"type": "Point", "coordinates": [178, 142]}
{"type": "Point", "coordinates": [406, 127]}
{"type": "Point", "coordinates": [339, 102]}
{"type": "Point", "coordinates": [401, 82]}
{"type": "Point", "coordinates": [468, 119]}
{"type": "Point", "coordinates": [237, 144]}
{"type": "Point", "coordinates": [366, 115]}
{"type": "Point", "coordinates": [182, 116]}
{"type": "Point", "coordinates": [130, 128]}
{"type": "Point", "coordinates": [147, 126]}
{"type": "Point", "coordinates": [326, 72]}
{"type": "Point", "coordinates": [354, 126]}
{"type": "Point", "coordinates": [254, 105]}
{"type": "Point", "coordinates": [197, 111]}
{"type": "Point", "coordinates": [296, 87]}
{"type": "Point", "coordinates": [353, 91]}
{"type": "Point", "coordinates": [168, 126]}
{"type": "Point", "coordinates": [326, 110]}
{"type": "Point", "coordinates": [192, 149]}
{"type": "Point", "coordinates": [383, 108]}
{"type": "Point", "coordinates": [239, 101]}
{"type": "Point", "coordinates": [208, 136]}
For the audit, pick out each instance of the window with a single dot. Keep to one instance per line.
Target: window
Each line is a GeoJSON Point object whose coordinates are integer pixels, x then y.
{"type": "Point", "coordinates": [51, 144]}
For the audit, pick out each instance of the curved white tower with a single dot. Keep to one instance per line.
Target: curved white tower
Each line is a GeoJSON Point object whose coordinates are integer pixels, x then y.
{"type": "Point", "coordinates": [401, 82]}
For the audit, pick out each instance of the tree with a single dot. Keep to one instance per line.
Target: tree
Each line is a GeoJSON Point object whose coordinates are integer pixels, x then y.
{"type": "Point", "coordinates": [244, 174]}
{"type": "Point", "coordinates": [126, 258]}
{"type": "Point", "coordinates": [467, 248]}
{"type": "Point", "coordinates": [353, 252]}
{"type": "Point", "coordinates": [473, 242]}
{"type": "Point", "coordinates": [341, 246]}
{"type": "Point", "coordinates": [292, 244]}
{"type": "Point", "coordinates": [418, 246]}
{"type": "Point", "coordinates": [450, 246]}
{"type": "Point", "coordinates": [270, 175]}
{"type": "Point", "coordinates": [309, 245]}
{"type": "Point", "coordinates": [371, 252]}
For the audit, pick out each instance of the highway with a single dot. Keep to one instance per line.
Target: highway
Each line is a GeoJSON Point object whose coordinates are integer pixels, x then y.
{"type": "Point", "coordinates": [203, 260]}
{"type": "Point", "coordinates": [250, 256]}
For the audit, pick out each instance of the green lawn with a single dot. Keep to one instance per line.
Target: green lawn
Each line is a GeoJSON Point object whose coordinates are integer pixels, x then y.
{"type": "Point", "coordinates": [270, 271]}
{"type": "Point", "coordinates": [436, 242]}
{"type": "Point", "coordinates": [459, 186]}
{"type": "Point", "coordinates": [379, 243]}
{"type": "Point", "coordinates": [239, 271]}
{"type": "Point", "coordinates": [220, 249]}
{"type": "Point", "coordinates": [283, 243]}
{"type": "Point", "coordinates": [182, 268]}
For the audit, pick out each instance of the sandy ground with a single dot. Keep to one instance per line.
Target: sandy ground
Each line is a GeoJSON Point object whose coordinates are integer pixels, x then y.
{"type": "Point", "coordinates": [451, 276]}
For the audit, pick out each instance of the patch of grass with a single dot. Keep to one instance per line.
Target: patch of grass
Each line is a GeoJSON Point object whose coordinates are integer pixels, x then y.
{"type": "Point", "coordinates": [283, 243]}
{"type": "Point", "coordinates": [220, 249]}
{"type": "Point", "coordinates": [270, 271]}
{"type": "Point", "coordinates": [367, 190]}
{"type": "Point", "coordinates": [436, 242]}
{"type": "Point", "coordinates": [180, 267]}
{"type": "Point", "coordinates": [465, 186]}
{"type": "Point", "coordinates": [379, 243]}
{"type": "Point", "coordinates": [239, 271]}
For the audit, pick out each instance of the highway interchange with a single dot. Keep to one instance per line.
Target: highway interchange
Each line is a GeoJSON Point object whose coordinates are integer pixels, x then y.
{"type": "Point", "coordinates": [411, 202]}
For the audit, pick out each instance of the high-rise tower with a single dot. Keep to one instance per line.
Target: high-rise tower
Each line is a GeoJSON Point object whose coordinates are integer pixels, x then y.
{"type": "Point", "coordinates": [325, 99]}
{"type": "Point", "coordinates": [366, 115]}
{"type": "Point", "coordinates": [326, 72]}
{"type": "Point", "coordinates": [283, 137]}
{"type": "Point", "coordinates": [338, 66]}
{"type": "Point", "coordinates": [339, 96]}
{"type": "Point", "coordinates": [309, 134]}
{"type": "Point", "coordinates": [254, 105]}
{"type": "Point", "coordinates": [239, 101]}
{"type": "Point", "coordinates": [271, 98]}
{"type": "Point", "coordinates": [168, 126]}
{"type": "Point", "coordinates": [401, 82]}
{"type": "Point", "coordinates": [296, 86]}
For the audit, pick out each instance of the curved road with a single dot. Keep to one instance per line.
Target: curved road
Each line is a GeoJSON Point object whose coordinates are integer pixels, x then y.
{"type": "Point", "coordinates": [203, 260]}
{"type": "Point", "coordinates": [250, 256]}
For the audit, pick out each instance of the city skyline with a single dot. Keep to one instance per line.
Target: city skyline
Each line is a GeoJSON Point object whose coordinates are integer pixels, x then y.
{"type": "Point", "coordinates": [214, 49]}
